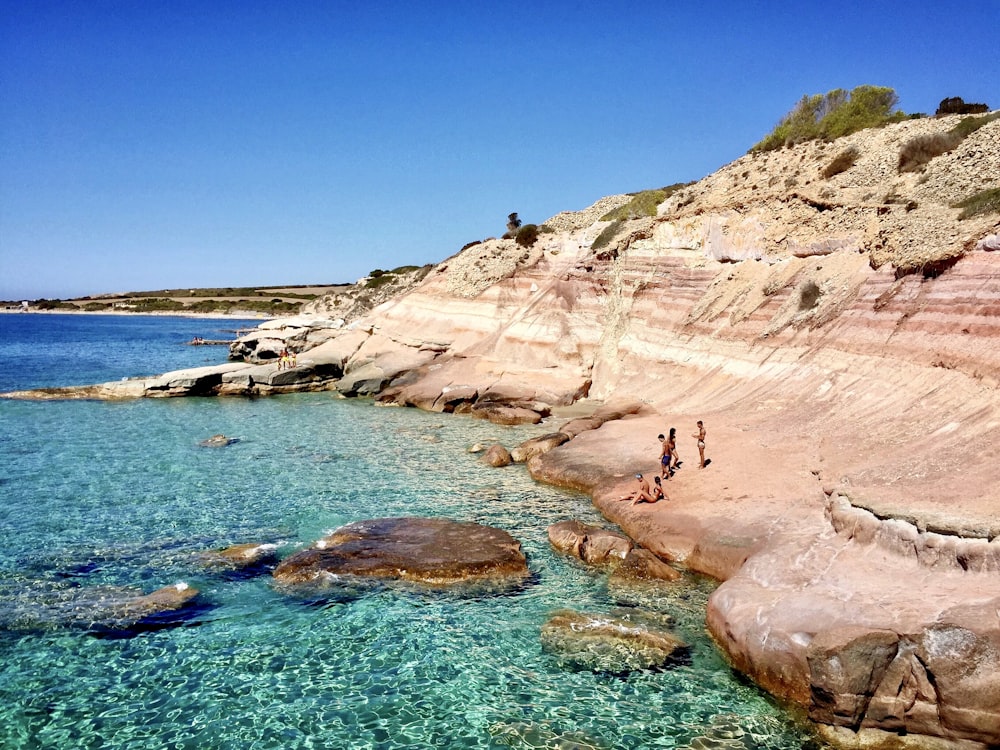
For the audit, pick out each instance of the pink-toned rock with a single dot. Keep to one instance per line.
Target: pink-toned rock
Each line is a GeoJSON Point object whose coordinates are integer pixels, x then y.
{"type": "Point", "coordinates": [603, 546]}
{"type": "Point", "coordinates": [537, 446]}
{"type": "Point", "coordinates": [642, 566]}
{"type": "Point", "coordinates": [567, 536]}
{"type": "Point", "coordinates": [509, 415]}
{"type": "Point", "coordinates": [592, 544]}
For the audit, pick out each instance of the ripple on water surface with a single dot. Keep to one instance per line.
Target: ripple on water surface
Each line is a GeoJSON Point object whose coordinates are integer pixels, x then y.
{"type": "Point", "coordinates": [122, 494]}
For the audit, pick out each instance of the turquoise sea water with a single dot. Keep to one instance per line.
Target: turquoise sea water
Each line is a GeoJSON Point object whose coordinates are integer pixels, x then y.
{"type": "Point", "coordinates": [121, 494]}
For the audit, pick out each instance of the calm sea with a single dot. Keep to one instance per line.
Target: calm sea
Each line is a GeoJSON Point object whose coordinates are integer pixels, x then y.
{"type": "Point", "coordinates": [121, 494]}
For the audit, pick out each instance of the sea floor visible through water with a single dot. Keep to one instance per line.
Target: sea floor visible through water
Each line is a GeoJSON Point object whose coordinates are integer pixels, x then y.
{"type": "Point", "coordinates": [122, 494]}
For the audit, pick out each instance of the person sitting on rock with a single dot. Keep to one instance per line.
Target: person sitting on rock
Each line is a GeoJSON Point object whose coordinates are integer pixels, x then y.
{"type": "Point", "coordinates": [657, 491]}
{"type": "Point", "coordinates": [654, 495]}
{"type": "Point", "coordinates": [641, 491]}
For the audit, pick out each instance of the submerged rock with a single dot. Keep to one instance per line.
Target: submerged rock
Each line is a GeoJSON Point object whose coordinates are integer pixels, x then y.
{"type": "Point", "coordinates": [218, 441]}
{"type": "Point", "coordinates": [43, 605]}
{"type": "Point", "coordinates": [607, 644]}
{"type": "Point", "coordinates": [434, 552]}
{"type": "Point", "coordinates": [592, 544]}
{"type": "Point", "coordinates": [240, 557]}
{"type": "Point", "coordinates": [542, 734]}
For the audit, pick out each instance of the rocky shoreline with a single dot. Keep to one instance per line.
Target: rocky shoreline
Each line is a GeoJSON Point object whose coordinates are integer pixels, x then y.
{"type": "Point", "coordinates": [837, 334]}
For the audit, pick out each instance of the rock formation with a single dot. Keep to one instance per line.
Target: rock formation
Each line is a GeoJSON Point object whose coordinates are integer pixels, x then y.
{"type": "Point", "coordinates": [433, 552]}
{"type": "Point", "coordinates": [607, 644]}
{"type": "Point", "coordinates": [239, 558]}
{"type": "Point", "coordinates": [116, 610]}
{"type": "Point", "coordinates": [837, 330]}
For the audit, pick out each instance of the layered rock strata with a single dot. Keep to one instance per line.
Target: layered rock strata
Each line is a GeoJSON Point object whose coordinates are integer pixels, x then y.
{"type": "Point", "coordinates": [838, 333]}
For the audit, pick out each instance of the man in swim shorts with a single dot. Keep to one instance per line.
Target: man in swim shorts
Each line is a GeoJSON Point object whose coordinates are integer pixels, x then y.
{"type": "Point", "coordinates": [700, 436]}
{"type": "Point", "coordinates": [665, 456]}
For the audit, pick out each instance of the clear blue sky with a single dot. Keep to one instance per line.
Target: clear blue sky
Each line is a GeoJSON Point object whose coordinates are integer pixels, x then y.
{"type": "Point", "coordinates": [148, 145]}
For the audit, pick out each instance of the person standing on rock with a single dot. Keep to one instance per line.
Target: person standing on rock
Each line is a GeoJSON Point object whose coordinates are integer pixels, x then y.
{"type": "Point", "coordinates": [700, 437]}
{"type": "Point", "coordinates": [665, 456]}
{"type": "Point", "coordinates": [672, 442]}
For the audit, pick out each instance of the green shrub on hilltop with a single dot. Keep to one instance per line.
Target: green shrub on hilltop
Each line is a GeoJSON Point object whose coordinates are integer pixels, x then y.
{"type": "Point", "coordinates": [526, 235]}
{"type": "Point", "coordinates": [643, 203]}
{"type": "Point", "coordinates": [955, 105]}
{"type": "Point", "coordinates": [833, 115]}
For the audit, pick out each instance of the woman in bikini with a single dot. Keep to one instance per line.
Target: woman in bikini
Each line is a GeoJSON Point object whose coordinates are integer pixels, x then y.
{"type": "Point", "coordinates": [672, 443]}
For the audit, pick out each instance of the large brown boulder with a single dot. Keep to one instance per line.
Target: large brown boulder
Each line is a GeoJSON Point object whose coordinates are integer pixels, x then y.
{"type": "Point", "coordinates": [592, 544]}
{"type": "Point", "coordinates": [435, 552]}
{"type": "Point", "coordinates": [499, 413]}
{"type": "Point", "coordinates": [537, 446]}
{"type": "Point", "coordinates": [496, 455]}
{"type": "Point", "coordinates": [607, 644]}
{"type": "Point", "coordinates": [642, 566]}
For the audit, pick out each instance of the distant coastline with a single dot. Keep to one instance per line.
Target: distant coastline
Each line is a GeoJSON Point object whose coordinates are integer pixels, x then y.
{"type": "Point", "coordinates": [240, 314]}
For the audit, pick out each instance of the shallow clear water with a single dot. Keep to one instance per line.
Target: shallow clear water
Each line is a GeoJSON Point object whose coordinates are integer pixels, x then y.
{"type": "Point", "coordinates": [122, 494]}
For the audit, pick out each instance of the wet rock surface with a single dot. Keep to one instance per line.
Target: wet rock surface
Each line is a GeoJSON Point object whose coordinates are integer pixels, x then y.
{"type": "Point", "coordinates": [432, 552]}
{"type": "Point", "coordinates": [32, 606]}
{"type": "Point", "coordinates": [241, 558]}
{"type": "Point", "coordinates": [592, 544]}
{"type": "Point", "coordinates": [604, 643]}
{"type": "Point", "coordinates": [496, 455]}
{"type": "Point", "coordinates": [218, 441]}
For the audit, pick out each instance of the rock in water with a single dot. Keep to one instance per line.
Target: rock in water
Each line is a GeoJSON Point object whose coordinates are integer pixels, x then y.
{"type": "Point", "coordinates": [607, 644]}
{"type": "Point", "coordinates": [240, 558]}
{"type": "Point", "coordinates": [108, 610]}
{"type": "Point", "coordinates": [218, 441]}
{"type": "Point", "coordinates": [496, 455]}
{"type": "Point", "coordinates": [592, 544]}
{"type": "Point", "coordinates": [433, 552]}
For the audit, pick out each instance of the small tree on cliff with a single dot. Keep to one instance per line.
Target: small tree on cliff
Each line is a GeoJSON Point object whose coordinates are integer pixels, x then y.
{"type": "Point", "coordinates": [955, 105]}
{"type": "Point", "coordinates": [833, 115]}
{"type": "Point", "coordinates": [526, 235]}
{"type": "Point", "coordinates": [513, 224]}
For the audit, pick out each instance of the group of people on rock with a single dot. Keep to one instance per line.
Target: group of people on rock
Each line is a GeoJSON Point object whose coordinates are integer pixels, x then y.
{"type": "Point", "coordinates": [669, 463]}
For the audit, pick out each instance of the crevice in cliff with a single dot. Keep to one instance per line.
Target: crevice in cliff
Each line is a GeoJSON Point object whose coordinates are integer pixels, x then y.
{"type": "Point", "coordinates": [932, 545]}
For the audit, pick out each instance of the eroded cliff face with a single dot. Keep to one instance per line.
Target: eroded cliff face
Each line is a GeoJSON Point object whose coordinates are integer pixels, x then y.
{"type": "Point", "coordinates": [853, 322]}
{"type": "Point", "coordinates": [840, 333]}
